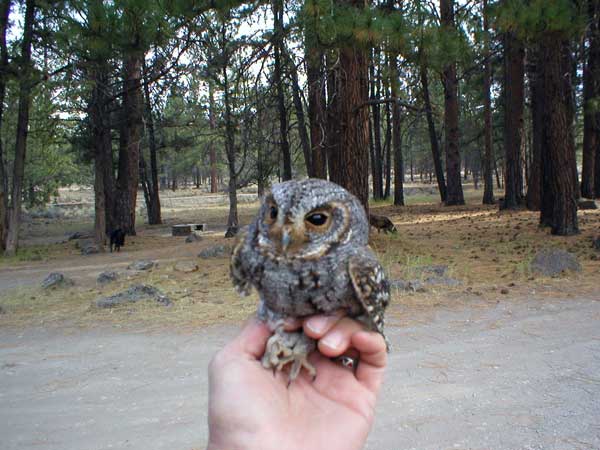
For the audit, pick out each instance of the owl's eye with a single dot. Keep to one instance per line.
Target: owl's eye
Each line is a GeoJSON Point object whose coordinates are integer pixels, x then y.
{"type": "Point", "coordinates": [317, 219]}
{"type": "Point", "coordinates": [273, 212]}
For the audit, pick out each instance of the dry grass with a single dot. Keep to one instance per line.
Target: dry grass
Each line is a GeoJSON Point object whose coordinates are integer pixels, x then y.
{"type": "Point", "coordinates": [487, 250]}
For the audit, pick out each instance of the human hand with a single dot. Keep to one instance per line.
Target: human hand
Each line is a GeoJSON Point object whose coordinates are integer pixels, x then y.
{"type": "Point", "coordinates": [251, 408]}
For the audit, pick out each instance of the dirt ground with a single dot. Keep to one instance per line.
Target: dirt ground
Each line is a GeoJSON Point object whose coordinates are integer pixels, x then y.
{"type": "Point", "coordinates": [518, 374]}
{"type": "Point", "coordinates": [505, 359]}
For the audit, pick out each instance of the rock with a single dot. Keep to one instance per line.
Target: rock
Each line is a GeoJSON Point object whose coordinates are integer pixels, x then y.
{"type": "Point", "coordinates": [193, 238]}
{"type": "Point", "coordinates": [408, 286]}
{"type": "Point", "coordinates": [438, 270]}
{"type": "Point", "coordinates": [134, 294]}
{"type": "Point", "coordinates": [401, 285]}
{"type": "Point", "coordinates": [216, 251]}
{"type": "Point", "coordinates": [586, 204]}
{"type": "Point", "coordinates": [88, 247]}
{"type": "Point", "coordinates": [56, 280]}
{"type": "Point", "coordinates": [596, 243]}
{"type": "Point", "coordinates": [186, 266]}
{"type": "Point", "coordinates": [421, 285]}
{"type": "Point", "coordinates": [79, 235]}
{"type": "Point", "coordinates": [142, 264]}
{"type": "Point", "coordinates": [442, 281]}
{"type": "Point", "coordinates": [504, 291]}
{"type": "Point", "coordinates": [552, 261]}
{"type": "Point", "coordinates": [107, 277]}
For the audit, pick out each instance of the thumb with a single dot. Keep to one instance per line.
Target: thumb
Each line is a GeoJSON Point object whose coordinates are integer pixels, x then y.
{"type": "Point", "coordinates": [252, 340]}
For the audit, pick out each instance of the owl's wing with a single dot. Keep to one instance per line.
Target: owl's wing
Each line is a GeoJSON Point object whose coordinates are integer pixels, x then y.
{"type": "Point", "coordinates": [239, 276]}
{"type": "Point", "coordinates": [371, 288]}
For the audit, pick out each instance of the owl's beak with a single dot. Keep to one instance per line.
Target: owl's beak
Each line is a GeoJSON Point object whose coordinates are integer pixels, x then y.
{"type": "Point", "coordinates": [286, 238]}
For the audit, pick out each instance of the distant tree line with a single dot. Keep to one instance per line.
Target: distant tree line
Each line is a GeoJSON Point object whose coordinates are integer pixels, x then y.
{"type": "Point", "coordinates": [134, 96]}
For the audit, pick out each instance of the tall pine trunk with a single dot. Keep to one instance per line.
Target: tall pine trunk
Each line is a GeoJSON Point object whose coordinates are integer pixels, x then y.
{"type": "Point", "coordinates": [433, 138]}
{"type": "Point", "coordinates": [488, 190]}
{"type": "Point", "coordinates": [333, 122]}
{"type": "Point", "coordinates": [129, 148]}
{"type": "Point", "coordinates": [280, 91]}
{"type": "Point", "coordinates": [4, 13]}
{"type": "Point", "coordinates": [396, 135]}
{"type": "Point", "coordinates": [316, 99]}
{"type": "Point", "coordinates": [300, 117]}
{"type": "Point", "coordinates": [101, 137]}
{"type": "Point", "coordinates": [25, 88]}
{"type": "Point", "coordinates": [536, 90]}
{"type": "Point", "coordinates": [352, 171]}
{"type": "Point", "coordinates": [152, 192]}
{"type": "Point", "coordinates": [388, 151]}
{"type": "Point", "coordinates": [514, 72]}
{"type": "Point", "coordinates": [591, 107]}
{"type": "Point", "coordinates": [454, 192]}
{"type": "Point", "coordinates": [212, 150]}
{"type": "Point", "coordinates": [559, 148]}
{"type": "Point", "coordinates": [376, 167]}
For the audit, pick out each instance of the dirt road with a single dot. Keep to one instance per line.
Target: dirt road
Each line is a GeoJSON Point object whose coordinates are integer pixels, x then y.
{"type": "Point", "coordinates": [519, 375]}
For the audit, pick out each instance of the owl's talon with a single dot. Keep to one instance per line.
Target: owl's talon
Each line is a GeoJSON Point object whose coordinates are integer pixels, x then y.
{"type": "Point", "coordinates": [284, 348]}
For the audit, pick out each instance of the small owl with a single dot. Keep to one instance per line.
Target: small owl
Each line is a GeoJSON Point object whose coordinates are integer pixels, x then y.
{"type": "Point", "coordinates": [307, 253]}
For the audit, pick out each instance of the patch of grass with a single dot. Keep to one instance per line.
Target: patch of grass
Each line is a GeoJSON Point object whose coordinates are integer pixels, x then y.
{"type": "Point", "coordinates": [26, 254]}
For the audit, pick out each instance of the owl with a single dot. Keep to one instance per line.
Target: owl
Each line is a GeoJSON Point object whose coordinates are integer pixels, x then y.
{"type": "Point", "coordinates": [306, 253]}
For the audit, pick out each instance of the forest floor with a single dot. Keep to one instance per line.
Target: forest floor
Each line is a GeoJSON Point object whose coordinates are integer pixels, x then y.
{"type": "Point", "coordinates": [476, 353]}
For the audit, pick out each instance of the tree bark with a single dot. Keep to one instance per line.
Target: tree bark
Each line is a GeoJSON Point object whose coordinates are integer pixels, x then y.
{"type": "Point", "coordinates": [333, 126]}
{"type": "Point", "coordinates": [314, 59]}
{"type": "Point", "coordinates": [488, 190]}
{"type": "Point", "coordinates": [101, 137]}
{"type": "Point", "coordinates": [4, 14]}
{"type": "Point", "coordinates": [433, 139]}
{"type": "Point", "coordinates": [129, 149]}
{"type": "Point", "coordinates": [397, 135]}
{"type": "Point", "coordinates": [301, 120]}
{"type": "Point", "coordinates": [591, 107]}
{"type": "Point", "coordinates": [454, 192]}
{"type": "Point", "coordinates": [388, 151]}
{"type": "Point", "coordinates": [232, 219]}
{"type": "Point", "coordinates": [152, 195]}
{"type": "Point", "coordinates": [25, 87]}
{"type": "Point", "coordinates": [514, 71]}
{"type": "Point", "coordinates": [559, 145]}
{"type": "Point", "coordinates": [278, 81]}
{"type": "Point", "coordinates": [352, 94]}
{"type": "Point", "coordinates": [534, 182]}
{"type": "Point", "coordinates": [212, 150]}
{"type": "Point", "coordinates": [376, 169]}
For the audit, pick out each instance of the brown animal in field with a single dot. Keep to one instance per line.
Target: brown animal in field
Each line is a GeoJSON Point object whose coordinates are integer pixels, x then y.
{"type": "Point", "coordinates": [382, 223]}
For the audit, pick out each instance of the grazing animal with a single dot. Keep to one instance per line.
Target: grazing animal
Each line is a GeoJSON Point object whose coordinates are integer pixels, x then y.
{"type": "Point", "coordinates": [117, 239]}
{"type": "Point", "coordinates": [307, 252]}
{"type": "Point", "coordinates": [382, 223]}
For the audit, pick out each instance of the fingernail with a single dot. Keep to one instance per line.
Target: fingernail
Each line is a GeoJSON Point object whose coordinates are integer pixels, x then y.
{"type": "Point", "coordinates": [290, 322]}
{"type": "Point", "coordinates": [333, 340]}
{"type": "Point", "coordinates": [317, 324]}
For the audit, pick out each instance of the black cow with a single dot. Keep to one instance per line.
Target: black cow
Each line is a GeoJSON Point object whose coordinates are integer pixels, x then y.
{"type": "Point", "coordinates": [117, 239]}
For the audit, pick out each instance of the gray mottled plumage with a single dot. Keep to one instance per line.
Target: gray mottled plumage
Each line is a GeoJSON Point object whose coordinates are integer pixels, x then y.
{"type": "Point", "coordinates": [301, 267]}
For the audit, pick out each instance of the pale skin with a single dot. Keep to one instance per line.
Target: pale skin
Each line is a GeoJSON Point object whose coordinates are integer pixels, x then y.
{"type": "Point", "coordinates": [250, 408]}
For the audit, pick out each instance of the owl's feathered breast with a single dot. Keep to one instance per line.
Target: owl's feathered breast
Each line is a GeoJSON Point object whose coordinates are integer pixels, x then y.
{"type": "Point", "coordinates": [296, 286]}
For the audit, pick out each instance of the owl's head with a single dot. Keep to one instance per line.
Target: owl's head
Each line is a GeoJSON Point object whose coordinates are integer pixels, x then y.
{"type": "Point", "coordinates": [308, 218]}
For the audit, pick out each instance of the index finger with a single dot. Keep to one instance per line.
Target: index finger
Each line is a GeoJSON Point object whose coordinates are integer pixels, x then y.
{"type": "Point", "coordinates": [373, 358]}
{"type": "Point", "coordinates": [252, 339]}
